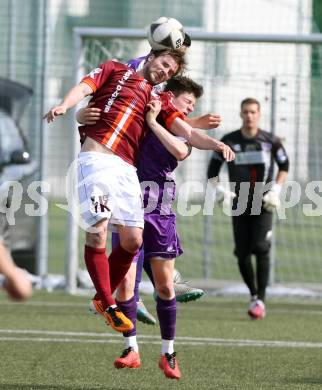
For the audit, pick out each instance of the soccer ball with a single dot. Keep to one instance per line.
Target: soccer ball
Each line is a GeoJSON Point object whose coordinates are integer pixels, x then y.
{"type": "Point", "coordinates": [166, 33]}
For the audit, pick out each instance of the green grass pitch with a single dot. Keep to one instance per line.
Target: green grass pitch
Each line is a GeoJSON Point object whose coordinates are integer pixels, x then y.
{"type": "Point", "coordinates": [298, 248]}
{"type": "Point", "coordinates": [52, 342]}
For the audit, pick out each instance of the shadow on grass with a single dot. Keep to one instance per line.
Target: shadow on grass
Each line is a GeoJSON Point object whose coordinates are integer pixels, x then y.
{"type": "Point", "coordinates": [307, 381]}
{"type": "Point", "coordinates": [20, 386]}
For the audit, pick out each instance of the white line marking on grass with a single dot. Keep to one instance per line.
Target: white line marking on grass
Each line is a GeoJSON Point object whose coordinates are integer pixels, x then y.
{"type": "Point", "coordinates": [147, 339]}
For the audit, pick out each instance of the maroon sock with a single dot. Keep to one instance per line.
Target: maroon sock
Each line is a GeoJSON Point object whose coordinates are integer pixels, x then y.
{"type": "Point", "coordinates": [120, 261]}
{"type": "Point", "coordinates": [97, 297]}
{"type": "Point", "coordinates": [98, 269]}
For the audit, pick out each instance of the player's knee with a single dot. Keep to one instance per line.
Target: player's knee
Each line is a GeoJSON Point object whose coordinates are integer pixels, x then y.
{"type": "Point", "coordinates": [262, 247]}
{"type": "Point", "coordinates": [165, 291]}
{"type": "Point", "coordinates": [132, 244]}
{"type": "Point", "coordinates": [97, 239]}
{"type": "Point", "coordinates": [242, 255]}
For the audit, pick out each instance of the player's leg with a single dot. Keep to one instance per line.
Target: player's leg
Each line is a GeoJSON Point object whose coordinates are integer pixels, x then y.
{"type": "Point", "coordinates": [242, 238]}
{"type": "Point", "coordinates": [143, 314]}
{"type": "Point", "coordinates": [126, 301]}
{"type": "Point", "coordinates": [95, 305]}
{"type": "Point", "coordinates": [128, 216]}
{"type": "Point", "coordinates": [138, 259]}
{"type": "Point", "coordinates": [123, 254]}
{"type": "Point", "coordinates": [242, 228]}
{"type": "Point", "coordinates": [97, 202]}
{"type": "Point", "coordinates": [166, 308]}
{"type": "Point", "coordinates": [262, 232]}
{"type": "Point", "coordinates": [160, 238]}
{"type": "Point", "coordinates": [97, 264]}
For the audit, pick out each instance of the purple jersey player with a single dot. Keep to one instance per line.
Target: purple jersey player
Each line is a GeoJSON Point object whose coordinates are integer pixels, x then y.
{"type": "Point", "coordinates": [159, 155]}
{"type": "Point", "coordinates": [161, 244]}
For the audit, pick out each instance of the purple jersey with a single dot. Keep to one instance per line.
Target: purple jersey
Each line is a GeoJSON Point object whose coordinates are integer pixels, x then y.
{"type": "Point", "coordinates": [137, 63]}
{"type": "Point", "coordinates": [156, 164]}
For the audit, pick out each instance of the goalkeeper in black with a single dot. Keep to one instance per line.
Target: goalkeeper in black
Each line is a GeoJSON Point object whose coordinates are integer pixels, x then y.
{"type": "Point", "coordinates": [254, 197]}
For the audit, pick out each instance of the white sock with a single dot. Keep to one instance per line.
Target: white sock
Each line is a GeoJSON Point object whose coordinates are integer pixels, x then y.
{"type": "Point", "coordinates": [131, 342]}
{"type": "Point", "coordinates": [167, 347]}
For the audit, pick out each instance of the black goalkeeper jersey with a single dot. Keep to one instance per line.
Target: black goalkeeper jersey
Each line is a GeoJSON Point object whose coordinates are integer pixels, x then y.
{"type": "Point", "coordinates": [254, 162]}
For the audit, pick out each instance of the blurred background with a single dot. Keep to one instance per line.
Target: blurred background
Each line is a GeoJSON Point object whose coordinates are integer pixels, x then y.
{"type": "Point", "coordinates": [46, 47]}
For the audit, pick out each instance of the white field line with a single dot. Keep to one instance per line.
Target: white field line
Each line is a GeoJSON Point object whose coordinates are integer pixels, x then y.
{"type": "Point", "coordinates": [109, 338]}
{"type": "Point", "coordinates": [183, 306]}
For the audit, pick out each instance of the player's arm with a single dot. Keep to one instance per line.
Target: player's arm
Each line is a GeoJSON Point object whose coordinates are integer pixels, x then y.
{"type": "Point", "coordinates": [281, 177]}
{"type": "Point", "coordinates": [180, 128]}
{"type": "Point", "coordinates": [202, 141]}
{"type": "Point", "coordinates": [221, 193]}
{"type": "Point", "coordinates": [205, 122]}
{"type": "Point", "coordinates": [282, 161]}
{"type": "Point", "coordinates": [180, 150]}
{"type": "Point", "coordinates": [74, 96]}
{"type": "Point", "coordinates": [271, 200]}
{"type": "Point", "coordinates": [199, 139]}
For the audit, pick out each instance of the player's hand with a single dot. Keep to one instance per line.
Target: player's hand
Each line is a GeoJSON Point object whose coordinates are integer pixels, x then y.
{"type": "Point", "coordinates": [222, 195]}
{"type": "Point", "coordinates": [208, 121]}
{"type": "Point", "coordinates": [226, 151]}
{"type": "Point", "coordinates": [271, 199]}
{"type": "Point", "coordinates": [88, 115]}
{"type": "Point", "coordinates": [154, 108]}
{"type": "Point", "coordinates": [17, 285]}
{"type": "Point", "coordinates": [55, 111]}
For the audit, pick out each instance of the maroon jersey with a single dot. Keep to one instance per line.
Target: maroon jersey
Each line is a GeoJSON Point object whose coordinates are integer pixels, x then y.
{"type": "Point", "coordinates": [122, 95]}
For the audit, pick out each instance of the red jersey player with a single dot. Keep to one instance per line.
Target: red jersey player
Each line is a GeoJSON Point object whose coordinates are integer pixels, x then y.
{"type": "Point", "coordinates": [109, 190]}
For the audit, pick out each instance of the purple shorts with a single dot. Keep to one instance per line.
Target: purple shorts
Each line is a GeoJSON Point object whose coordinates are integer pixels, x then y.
{"type": "Point", "coordinates": [160, 236]}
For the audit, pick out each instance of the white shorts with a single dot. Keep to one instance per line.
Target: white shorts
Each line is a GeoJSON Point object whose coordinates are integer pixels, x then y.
{"type": "Point", "coordinates": [108, 187]}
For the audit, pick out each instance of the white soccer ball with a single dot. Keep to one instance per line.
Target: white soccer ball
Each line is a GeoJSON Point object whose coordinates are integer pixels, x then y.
{"type": "Point", "coordinates": [166, 33]}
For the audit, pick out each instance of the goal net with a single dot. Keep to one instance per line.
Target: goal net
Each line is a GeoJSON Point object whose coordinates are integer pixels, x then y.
{"type": "Point", "coordinates": [286, 79]}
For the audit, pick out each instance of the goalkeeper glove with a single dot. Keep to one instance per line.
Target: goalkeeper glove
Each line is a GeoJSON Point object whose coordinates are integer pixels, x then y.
{"type": "Point", "coordinates": [271, 200]}
{"type": "Point", "coordinates": [222, 195]}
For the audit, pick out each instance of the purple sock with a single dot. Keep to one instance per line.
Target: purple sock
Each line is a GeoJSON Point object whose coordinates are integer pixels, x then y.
{"type": "Point", "coordinates": [167, 313]}
{"type": "Point", "coordinates": [128, 308]}
{"type": "Point", "coordinates": [138, 277]}
{"type": "Point", "coordinates": [115, 240]}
